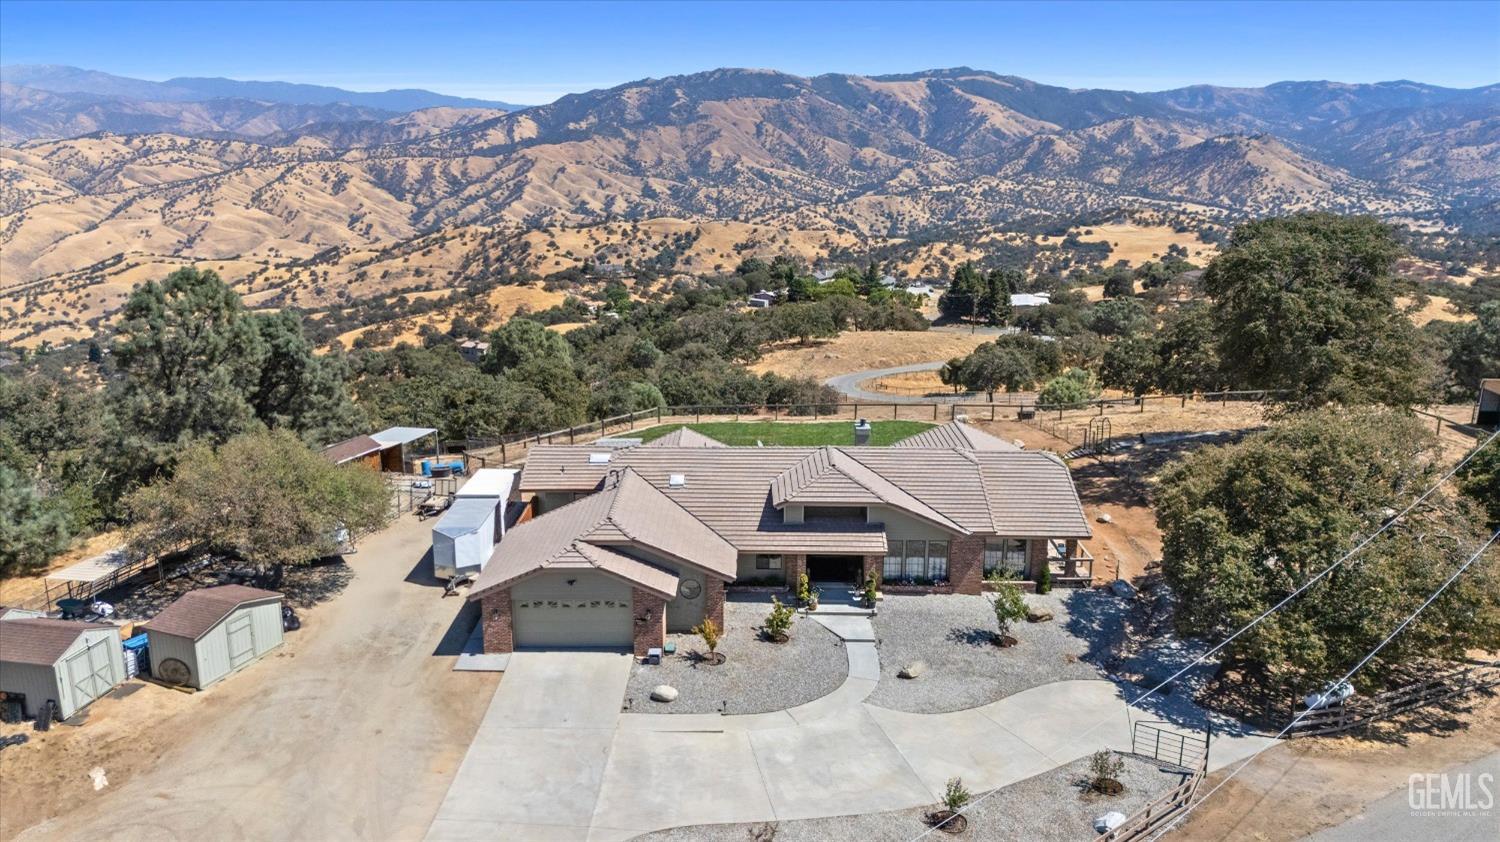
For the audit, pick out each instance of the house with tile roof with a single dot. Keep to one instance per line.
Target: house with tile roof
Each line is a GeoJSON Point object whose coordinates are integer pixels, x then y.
{"type": "Point", "coordinates": [631, 543]}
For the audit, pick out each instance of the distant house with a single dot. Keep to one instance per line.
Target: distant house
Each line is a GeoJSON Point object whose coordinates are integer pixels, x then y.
{"type": "Point", "coordinates": [823, 276]}
{"type": "Point", "coordinates": [472, 349]}
{"type": "Point", "coordinates": [920, 289]}
{"type": "Point", "coordinates": [890, 281]}
{"type": "Point", "coordinates": [1029, 300]}
{"type": "Point", "coordinates": [762, 299]}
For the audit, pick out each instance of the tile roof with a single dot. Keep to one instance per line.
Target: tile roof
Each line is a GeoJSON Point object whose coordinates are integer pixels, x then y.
{"type": "Point", "coordinates": [685, 437]}
{"type": "Point", "coordinates": [37, 640]}
{"type": "Point", "coordinates": [593, 531]}
{"type": "Point", "coordinates": [349, 449]}
{"type": "Point", "coordinates": [956, 435]}
{"type": "Point", "coordinates": [730, 489]}
{"type": "Point", "coordinates": [195, 612]}
{"type": "Point", "coordinates": [831, 476]}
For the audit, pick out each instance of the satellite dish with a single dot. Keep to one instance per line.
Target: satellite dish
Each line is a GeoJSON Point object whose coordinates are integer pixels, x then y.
{"type": "Point", "coordinates": [173, 671]}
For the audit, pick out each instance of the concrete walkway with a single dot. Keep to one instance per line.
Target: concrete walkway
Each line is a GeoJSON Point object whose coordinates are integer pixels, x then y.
{"type": "Point", "coordinates": [612, 776]}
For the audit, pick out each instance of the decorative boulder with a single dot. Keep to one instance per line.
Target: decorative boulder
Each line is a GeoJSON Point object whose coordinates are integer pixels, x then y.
{"type": "Point", "coordinates": [1038, 615]}
{"type": "Point", "coordinates": [913, 670]}
{"type": "Point", "coordinates": [1122, 589]}
{"type": "Point", "coordinates": [1105, 518]}
{"type": "Point", "coordinates": [1109, 821]}
{"type": "Point", "coordinates": [663, 693]}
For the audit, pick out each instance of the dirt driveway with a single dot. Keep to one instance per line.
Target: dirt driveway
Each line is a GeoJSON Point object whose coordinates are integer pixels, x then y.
{"type": "Point", "coordinates": [352, 730]}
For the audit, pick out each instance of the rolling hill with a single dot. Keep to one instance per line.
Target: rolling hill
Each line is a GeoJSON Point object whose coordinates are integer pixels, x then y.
{"type": "Point", "coordinates": [837, 159]}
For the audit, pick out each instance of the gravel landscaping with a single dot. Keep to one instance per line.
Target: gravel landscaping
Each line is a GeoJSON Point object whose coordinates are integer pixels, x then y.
{"type": "Point", "coordinates": [1054, 806]}
{"type": "Point", "coordinates": [952, 634]}
{"type": "Point", "coordinates": [758, 677]}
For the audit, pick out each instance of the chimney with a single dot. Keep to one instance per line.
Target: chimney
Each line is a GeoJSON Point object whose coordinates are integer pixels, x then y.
{"type": "Point", "coordinates": [861, 432]}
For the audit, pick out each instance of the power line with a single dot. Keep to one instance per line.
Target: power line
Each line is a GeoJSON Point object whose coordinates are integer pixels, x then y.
{"type": "Point", "coordinates": [1391, 521]}
{"type": "Point", "coordinates": [1357, 667]}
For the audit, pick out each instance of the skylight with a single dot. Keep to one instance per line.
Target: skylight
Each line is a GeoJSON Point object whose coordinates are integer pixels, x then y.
{"type": "Point", "coordinates": [676, 480]}
{"type": "Point", "coordinates": [598, 458]}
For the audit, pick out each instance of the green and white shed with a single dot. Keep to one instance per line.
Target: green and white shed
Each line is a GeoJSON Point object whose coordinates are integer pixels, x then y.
{"type": "Point", "coordinates": [68, 662]}
{"type": "Point", "coordinates": [209, 633]}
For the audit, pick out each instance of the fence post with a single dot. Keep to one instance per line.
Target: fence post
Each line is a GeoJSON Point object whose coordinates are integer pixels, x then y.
{"type": "Point", "coordinates": [658, 415]}
{"type": "Point", "coordinates": [895, 410]}
{"type": "Point", "coordinates": [776, 412]}
{"type": "Point", "coordinates": [815, 412]}
{"type": "Point", "coordinates": [934, 410]}
{"type": "Point", "coordinates": [1183, 405]}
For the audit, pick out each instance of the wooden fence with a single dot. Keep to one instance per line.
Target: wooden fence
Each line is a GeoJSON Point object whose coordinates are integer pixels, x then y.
{"type": "Point", "coordinates": [511, 449]}
{"type": "Point", "coordinates": [1360, 711]}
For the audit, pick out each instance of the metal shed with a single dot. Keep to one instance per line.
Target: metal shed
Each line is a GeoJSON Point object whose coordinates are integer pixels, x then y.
{"type": "Point", "coordinates": [68, 662]}
{"type": "Point", "coordinates": [207, 634]}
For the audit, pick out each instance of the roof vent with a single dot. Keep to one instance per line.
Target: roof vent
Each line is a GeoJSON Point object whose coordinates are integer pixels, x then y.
{"type": "Point", "coordinates": [598, 458]}
{"type": "Point", "coordinates": [676, 480]}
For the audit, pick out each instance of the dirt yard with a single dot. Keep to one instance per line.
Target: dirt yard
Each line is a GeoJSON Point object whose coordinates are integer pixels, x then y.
{"type": "Point", "coordinates": [1304, 786]}
{"type": "Point", "coordinates": [353, 729]}
{"type": "Point", "coordinates": [911, 383]}
{"type": "Point", "coordinates": [862, 350]}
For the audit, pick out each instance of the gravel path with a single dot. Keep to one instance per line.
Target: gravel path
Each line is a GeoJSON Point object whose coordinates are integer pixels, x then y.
{"type": "Point", "coordinates": [758, 677]}
{"type": "Point", "coordinates": [1051, 807]}
{"type": "Point", "coordinates": [952, 633]}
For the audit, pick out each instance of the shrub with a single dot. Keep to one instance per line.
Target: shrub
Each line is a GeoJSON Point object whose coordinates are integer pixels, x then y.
{"type": "Point", "coordinates": [804, 589]}
{"type": "Point", "coordinates": [955, 797]}
{"type": "Point", "coordinates": [1105, 768]}
{"type": "Point", "coordinates": [872, 590]}
{"type": "Point", "coordinates": [709, 632]}
{"type": "Point", "coordinates": [779, 621]}
{"type": "Point", "coordinates": [1009, 608]}
{"type": "Point", "coordinates": [1044, 579]}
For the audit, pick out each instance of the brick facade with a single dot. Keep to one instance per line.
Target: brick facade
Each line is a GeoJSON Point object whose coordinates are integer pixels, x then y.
{"type": "Point", "coordinates": [874, 566]}
{"type": "Point", "coordinates": [713, 600]}
{"type": "Point", "coordinates": [495, 614]}
{"type": "Point", "coordinates": [1036, 558]}
{"type": "Point", "coordinates": [649, 613]}
{"type": "Point", "coordinates": [966, 563]}
{"type": "Point", "coordinates": [795, 566]}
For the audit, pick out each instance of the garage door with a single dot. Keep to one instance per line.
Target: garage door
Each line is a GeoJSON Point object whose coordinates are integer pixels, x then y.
{"type": "Point", "coordinates": [593, 611]}
{"type": "Point", "coordinates": [90, 673]}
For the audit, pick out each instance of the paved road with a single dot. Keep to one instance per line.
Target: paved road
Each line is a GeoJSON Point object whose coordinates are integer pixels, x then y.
{"type": "Point", "coordinates": [611, 776]}
{"type": "Point", "coordinates": [351, 731]}
{"type": "Point", "coordinates": [849, 385]}
{"type": "Point", "coordinates": [1393, 817]}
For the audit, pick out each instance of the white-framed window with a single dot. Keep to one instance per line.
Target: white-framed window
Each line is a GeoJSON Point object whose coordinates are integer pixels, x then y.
{"type": "Point", "coordinates": [937, 559]}
{"type": "Point", "coordinates": [1007, 555]}
{"type": "Point", "coordinates": [894, 558]}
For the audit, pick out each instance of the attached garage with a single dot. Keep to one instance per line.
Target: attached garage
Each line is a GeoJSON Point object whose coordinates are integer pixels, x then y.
{"type": "Point", "coordinates": [209, 633]}
{"type": "Point", "coordinates": [66, 662]}
{"type": "Point", "coordinates": [579, 609]}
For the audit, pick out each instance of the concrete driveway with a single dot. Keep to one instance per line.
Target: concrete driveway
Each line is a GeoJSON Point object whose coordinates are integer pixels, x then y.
{"type": "Point", "coordinates": [611, 776]}
{"type": "Point", "coordinates": [352, 730]}
{"type": "Point", "coordinates": [535, 768]}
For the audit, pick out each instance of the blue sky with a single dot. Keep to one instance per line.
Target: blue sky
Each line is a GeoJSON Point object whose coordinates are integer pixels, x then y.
{"type": "Point", "coordinates": [535, 52]}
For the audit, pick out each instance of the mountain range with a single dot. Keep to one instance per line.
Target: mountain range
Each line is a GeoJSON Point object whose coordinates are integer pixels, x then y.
{"type": "Point", "coordinates": [887, 156]}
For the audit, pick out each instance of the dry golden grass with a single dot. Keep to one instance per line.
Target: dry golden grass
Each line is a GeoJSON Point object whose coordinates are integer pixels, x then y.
{"type": "Point", "coordinates": [1137, 244]}
{"type": "Point", "coordinates": [863, 350]}
{"type": "Point", "coordinates": [1437, 309]}
{"type": "Point", "coordinates": [911, 383]}
{"type": "Point", "coordinates": [502, 302]}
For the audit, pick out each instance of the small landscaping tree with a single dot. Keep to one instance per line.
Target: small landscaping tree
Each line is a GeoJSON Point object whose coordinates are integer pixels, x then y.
{"type": "Point", "coordinates": [709, 631]}
{"type": "Point", "coordinates": [778, 625]}
{"type": "Point", "coordinates": [955, 796]}
{"type": "Point", "coordinates": [1105, 768]}
{"type": "Point", "coordinates": [872, 590]}
{"type": "Point", "coordinates": [1044, 579]}
{"type": "Point", "coordinates": [804, 590]}
{"type": "Point", "coordinates": [1009, 608]}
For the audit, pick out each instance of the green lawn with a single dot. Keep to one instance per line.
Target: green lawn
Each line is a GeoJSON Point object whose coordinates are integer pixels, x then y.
{"type": "Point", "coordinates": [794, 433]}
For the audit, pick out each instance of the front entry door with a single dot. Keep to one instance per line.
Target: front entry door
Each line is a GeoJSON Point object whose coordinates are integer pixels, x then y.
{"type": "Point", "coordinates": [843, 569]}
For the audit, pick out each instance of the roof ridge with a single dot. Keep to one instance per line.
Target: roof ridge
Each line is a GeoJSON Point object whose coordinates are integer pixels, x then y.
{"type": "Point", "coordinates": [908, 495]}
